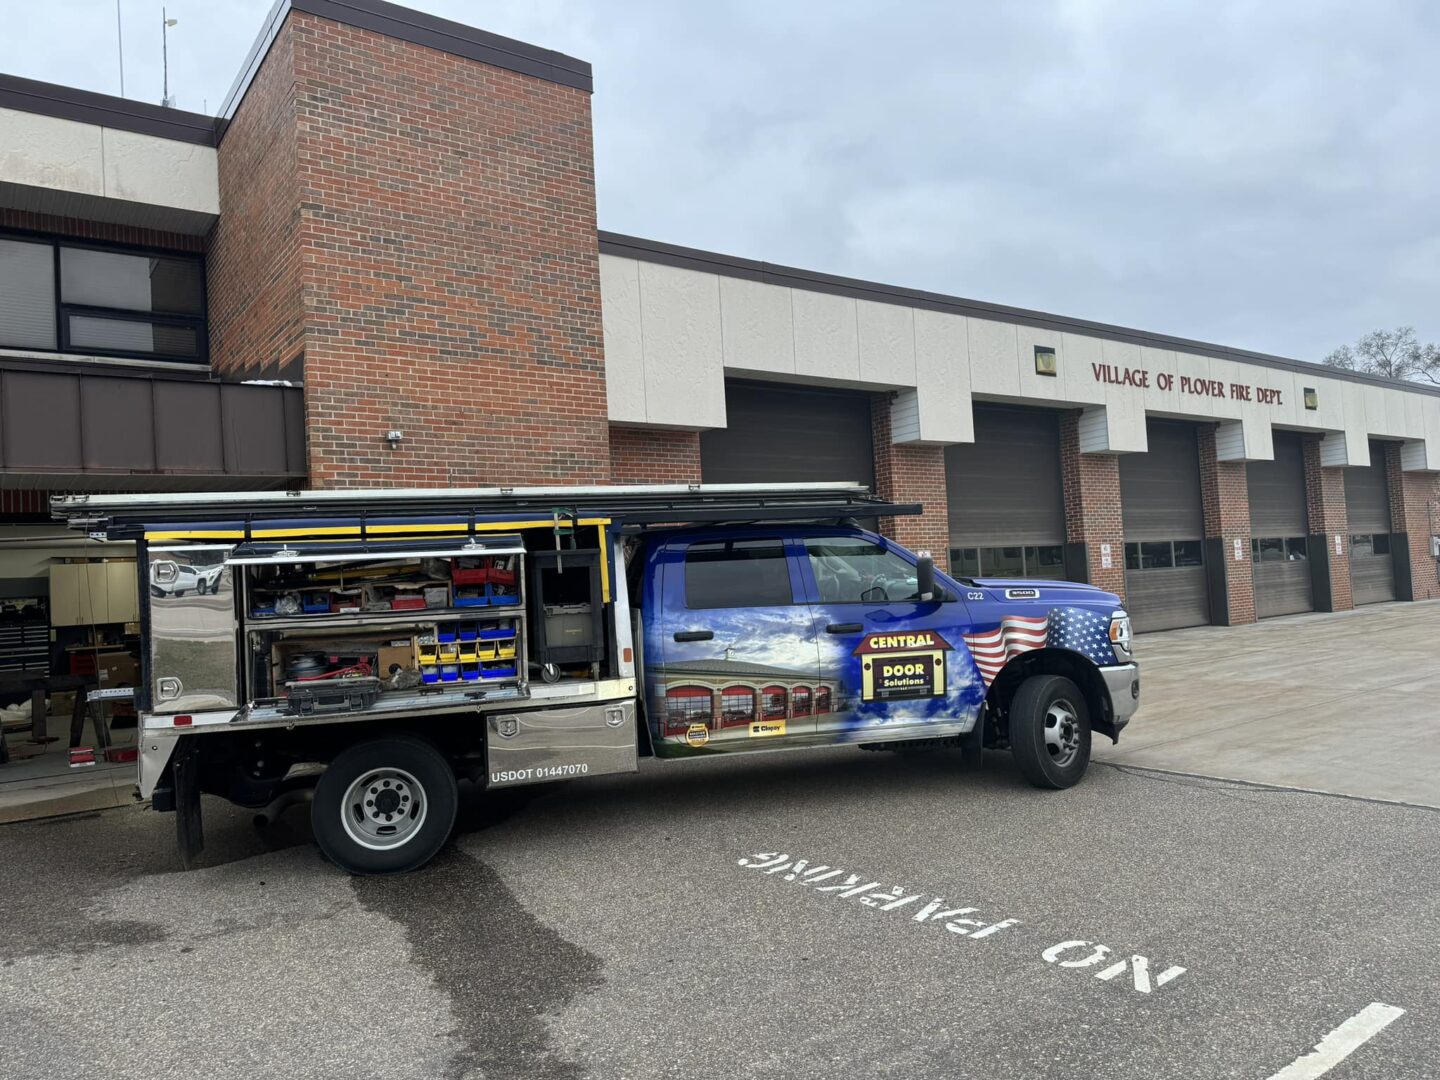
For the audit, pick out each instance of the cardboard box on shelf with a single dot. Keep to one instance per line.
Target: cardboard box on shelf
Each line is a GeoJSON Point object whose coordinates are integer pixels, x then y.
{"type": "Point", "coordinates": [399, 651]}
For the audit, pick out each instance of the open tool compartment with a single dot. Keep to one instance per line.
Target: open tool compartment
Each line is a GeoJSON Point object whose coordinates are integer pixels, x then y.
{"type": "Point", "coordinates": [335, 628]}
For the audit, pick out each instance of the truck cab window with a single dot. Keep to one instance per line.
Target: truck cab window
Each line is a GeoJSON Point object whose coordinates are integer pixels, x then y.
{"type": "Point", "coordinates": [737, 573]}
{"type": "Point", "coordinates": [853, 570]}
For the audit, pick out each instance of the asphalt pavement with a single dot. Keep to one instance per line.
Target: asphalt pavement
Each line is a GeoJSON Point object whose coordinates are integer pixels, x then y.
{"type": "Point", "coordinates": [942, 924]}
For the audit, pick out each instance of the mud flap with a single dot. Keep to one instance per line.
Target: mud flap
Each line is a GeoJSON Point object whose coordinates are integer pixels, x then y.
{"type": "Point", "coordinates": [189, 829]}
{"type": "Point", "coordinates": [972, 746]}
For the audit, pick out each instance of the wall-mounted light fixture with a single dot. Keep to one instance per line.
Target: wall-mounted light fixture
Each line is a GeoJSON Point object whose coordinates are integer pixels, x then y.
{"type": "Point", "coordinates": [1312, 399]}
{"type": "Point", "coordinates": [1045, 360]}
{"type": "Point", "coordinates": [394, 438]}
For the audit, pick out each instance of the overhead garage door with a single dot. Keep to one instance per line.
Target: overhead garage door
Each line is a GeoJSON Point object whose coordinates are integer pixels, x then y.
{"type": "Point", "coordinates": [1007, 506]}
{"type": "Point", "coordinates": [1279, 551]}
{"type": "Point", "coordinates": [789, 434]}
{"type": "Point", "coordinates": [1367, 506]}
{"type": "Point", "coordinates": [1164, 524]}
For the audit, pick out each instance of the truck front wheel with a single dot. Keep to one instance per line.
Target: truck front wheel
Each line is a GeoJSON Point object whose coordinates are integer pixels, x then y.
{"type": "Point", "coordinates": [385, 806]}
{"type": "Point", "coordinates": [1050, 731]}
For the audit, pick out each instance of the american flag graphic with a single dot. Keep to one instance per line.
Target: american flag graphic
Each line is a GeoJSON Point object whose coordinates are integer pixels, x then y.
{"type": "Point", "coordinates": [1077, 629]}
{"type": "Point", "coordinates": [994, 649]}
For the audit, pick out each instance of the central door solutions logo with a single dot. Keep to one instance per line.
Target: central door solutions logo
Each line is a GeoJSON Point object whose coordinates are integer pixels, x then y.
{"type": "Point", "coordinates": [895, 667]}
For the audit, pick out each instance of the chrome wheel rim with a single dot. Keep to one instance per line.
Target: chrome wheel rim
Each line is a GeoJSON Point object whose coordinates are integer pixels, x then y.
{"type": "Point", "coordinates": [384, 809]}
{"type": "Point", "coordinates": [1062, 732]}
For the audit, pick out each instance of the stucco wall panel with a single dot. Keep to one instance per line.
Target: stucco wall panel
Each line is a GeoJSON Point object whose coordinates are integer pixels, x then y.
{"type": "Point", "coordinates": [994, 347]}
{"type": "Point", "coordinates": [758, 327]}
{"type": "Point", "coordinates": [886, 337]}
{"type": "Point", "coordinates": [684, 367]}
{"type": "Point", "coordinates": [826, 338]}
{"type": "Point", "coordinates": [144, 168]}
{"type": "Point", "coordinates": [942, 377]}
{"type": "Point", "coordinates": [624, 343]}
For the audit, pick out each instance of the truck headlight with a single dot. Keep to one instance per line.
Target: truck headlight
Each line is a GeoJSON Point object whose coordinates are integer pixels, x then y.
{"type": "Point", "coordinates": [1120, 635]}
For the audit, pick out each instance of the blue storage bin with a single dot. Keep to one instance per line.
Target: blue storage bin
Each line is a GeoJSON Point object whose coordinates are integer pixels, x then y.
{"type": "Point", "coordinates": [468, 632]}
{"type": "Point", "coordinates": [497, 633]}
{"type": "Point", "coordinates": [471, 601]}
{"type": "Point", "coordinates": [445, 634]}
{"type": "Point", "coordinates": [496, 672]}
{"type": "Point", "coordinates": [449, 673]}
{"type": "Point", "coordinates": [315, 602]}
{"type": "Point", "coordinates": [429, 675]}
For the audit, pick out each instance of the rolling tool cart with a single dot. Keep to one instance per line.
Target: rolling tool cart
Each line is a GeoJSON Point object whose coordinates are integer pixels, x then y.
{"type": "Point", "coordinates": [568, 628]}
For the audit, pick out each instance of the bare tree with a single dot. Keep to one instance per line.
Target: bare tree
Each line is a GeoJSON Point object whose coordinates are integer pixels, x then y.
{"type": "Point", "coordinates": [1396, 354]}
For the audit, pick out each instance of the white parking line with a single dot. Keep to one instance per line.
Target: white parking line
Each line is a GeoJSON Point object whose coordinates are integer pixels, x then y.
{"type": "Point", "coordinates": [1341, 1043]}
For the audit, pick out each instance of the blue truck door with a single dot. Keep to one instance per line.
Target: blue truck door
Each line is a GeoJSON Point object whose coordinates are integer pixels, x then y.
{"type": "Point", "coordinates": [740, 662]}
{"type": "Point", "coordinates": [896, 667]}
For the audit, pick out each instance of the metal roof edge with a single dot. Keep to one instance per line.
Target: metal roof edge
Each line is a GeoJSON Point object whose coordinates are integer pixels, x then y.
{"type": "Point", "coordinates": [417, 28]}
{"type": "Point", "coordinates": [106, 110]}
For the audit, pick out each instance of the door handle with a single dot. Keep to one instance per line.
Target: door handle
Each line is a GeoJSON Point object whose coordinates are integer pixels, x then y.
{"type": "Point", "coordinates": [694, 635]}
{"type": "Point", "coordinates": [844, 628]}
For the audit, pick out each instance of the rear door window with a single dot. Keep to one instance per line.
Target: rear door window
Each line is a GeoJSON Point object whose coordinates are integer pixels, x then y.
{"type": "Point", "coordinates": [737, 573]}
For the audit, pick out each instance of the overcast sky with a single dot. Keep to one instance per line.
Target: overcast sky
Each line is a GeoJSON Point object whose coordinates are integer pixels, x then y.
{"type": "Point", "coordinates": [1261, 174]}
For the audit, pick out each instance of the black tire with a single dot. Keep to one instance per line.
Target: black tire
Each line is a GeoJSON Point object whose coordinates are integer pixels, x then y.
{"type": "Point", "coordinates": [1037, 724]}
{"type": "Point", "coordinates": [395, 764]}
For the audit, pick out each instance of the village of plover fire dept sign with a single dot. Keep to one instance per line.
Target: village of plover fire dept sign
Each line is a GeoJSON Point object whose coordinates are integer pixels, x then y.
{"type": "Point", "coordinates": [898, 666]}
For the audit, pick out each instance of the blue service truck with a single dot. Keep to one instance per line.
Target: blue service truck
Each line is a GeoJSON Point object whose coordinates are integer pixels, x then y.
{"type": "Point", "coordinates": [366, 651]}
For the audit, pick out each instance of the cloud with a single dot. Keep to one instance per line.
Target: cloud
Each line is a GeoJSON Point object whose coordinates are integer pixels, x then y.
{"type": "Point", "coordinates": [1256, 174]}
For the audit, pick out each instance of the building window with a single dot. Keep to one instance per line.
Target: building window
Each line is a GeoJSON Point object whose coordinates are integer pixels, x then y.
{"type": "Point", "coordinates": [109, 301]}
{"type": "Point", "coordinates": [1163, 554]}
{"type": "Point", "coordinates": [822, 701]}
{"type": "Point", "coordinates": [1035, 561]}
{"type": "Point", "coordinates": [801, 697]}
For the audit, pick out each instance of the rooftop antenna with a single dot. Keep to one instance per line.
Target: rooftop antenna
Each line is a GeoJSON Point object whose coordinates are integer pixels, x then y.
{"type": "Point", "coordinates": [165, 24]}
{"type": "Point", "coordinates": [120, 47]}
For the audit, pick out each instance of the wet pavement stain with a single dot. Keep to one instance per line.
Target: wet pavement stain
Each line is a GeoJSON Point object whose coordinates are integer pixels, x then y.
{"type": "Point", "coordinates": [502, 968]}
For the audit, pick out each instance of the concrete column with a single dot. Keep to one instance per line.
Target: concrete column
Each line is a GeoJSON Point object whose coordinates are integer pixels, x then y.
{"type": "Point", "coordinates": [1094, 528]}
{"type": "Point", "coordinates": [910, 473]}
{"type": "Point", "coordinates": [1325, 505]}
{"type": "Point", "coordinates": [1225, 492]}
{"type": "Point", "coordinates": [1415, 518]}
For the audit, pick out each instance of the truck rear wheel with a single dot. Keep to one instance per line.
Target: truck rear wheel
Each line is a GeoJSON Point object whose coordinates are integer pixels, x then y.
{"type": "Point", "coordinates": [1050, 731]}
{"type": "Point", "coordinates": [384, 806]}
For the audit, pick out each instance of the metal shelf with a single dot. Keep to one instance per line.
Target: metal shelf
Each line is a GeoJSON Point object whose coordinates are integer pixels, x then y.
{"type": "Point", "coordinates": [381, 618]}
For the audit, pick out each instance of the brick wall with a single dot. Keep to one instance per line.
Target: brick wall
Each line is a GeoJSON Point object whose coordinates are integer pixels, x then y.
{"type": "Point", "coordinates": [1415, 511]}
{"type": "Point", "coordinates": [100, 230]}
{"type": "Point", "coordinates": [1092, 506]}
{"type": "Point", "coordinates": [1225, 494]}
{"type": "Point", "coordinates": [437, 230]}
{"type": "Point", "coordinates": [452, 268]}
{"type": "Point", "coordinates": [1325, 506]}
{"type": "Point", "coordinates": [255, 258]}
{"type": "Point", "coordinates": [906, 474]}
{"type": "Point", "coordinates": [653, 456]}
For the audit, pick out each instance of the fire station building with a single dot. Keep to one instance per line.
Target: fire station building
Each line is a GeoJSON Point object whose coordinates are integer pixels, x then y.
{"type": "Point", "coordinates": [380, 265]}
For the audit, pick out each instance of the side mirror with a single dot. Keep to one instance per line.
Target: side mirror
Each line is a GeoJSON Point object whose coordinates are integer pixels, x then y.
{"type": "Point", "coordinates": [925, 576]}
